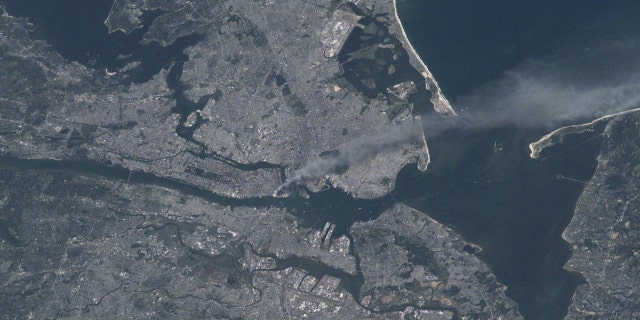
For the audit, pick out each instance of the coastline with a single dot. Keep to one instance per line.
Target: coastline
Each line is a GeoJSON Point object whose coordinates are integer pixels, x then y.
{"type": "Point", "coordinates": [556, 136]}
{"type": "Point", "coordinates": [440, 102]}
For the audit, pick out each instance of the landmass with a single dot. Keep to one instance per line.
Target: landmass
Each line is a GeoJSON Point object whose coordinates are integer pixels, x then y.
{"type": "Point", "coordinates": [557, 136]}
{"type": "Point", "coordinates": [144, 188]}
{"type": "Point", "coordinates": [605, 230]}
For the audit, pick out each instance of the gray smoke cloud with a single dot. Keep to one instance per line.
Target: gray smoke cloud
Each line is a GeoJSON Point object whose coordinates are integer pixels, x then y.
{"type": "Point", "coordinates": [573, 86]}
{"type": "Point", "coordinates": [579, 85]}
{"type": "Point", "coordinates": [353, 152]}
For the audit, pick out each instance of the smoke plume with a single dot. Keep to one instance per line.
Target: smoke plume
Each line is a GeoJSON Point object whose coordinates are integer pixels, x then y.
{"type": "Point", "coordinates": [572, 86]}
{"type": "Point", "coordinates": [579, 85]}
{"type": "Point", "coordinates": [353, 152]}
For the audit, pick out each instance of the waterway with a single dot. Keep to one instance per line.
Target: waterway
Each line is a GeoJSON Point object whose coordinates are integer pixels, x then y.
{"type": "Point", "coordinates": [484, 185]}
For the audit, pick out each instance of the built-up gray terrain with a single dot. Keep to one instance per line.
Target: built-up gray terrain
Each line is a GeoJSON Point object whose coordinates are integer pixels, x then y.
{"type": "Point", "coordinates": [132, 197]}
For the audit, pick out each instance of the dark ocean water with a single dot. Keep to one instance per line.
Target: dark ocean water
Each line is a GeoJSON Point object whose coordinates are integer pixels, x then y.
{"type": "Point", "coordinates": [484, 185]}
{"type": "Point", "coordinates": [467, 43]}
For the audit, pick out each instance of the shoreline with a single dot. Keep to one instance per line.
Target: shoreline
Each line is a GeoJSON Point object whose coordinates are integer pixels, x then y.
{"type": "Point", "coordinates": [548, 139]}
{"type": "Point", "coordinates": [440, 102]}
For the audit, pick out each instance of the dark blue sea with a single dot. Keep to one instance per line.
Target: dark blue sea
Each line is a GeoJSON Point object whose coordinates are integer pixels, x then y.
{"type": "Point", "coordinates": [484, 185]}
